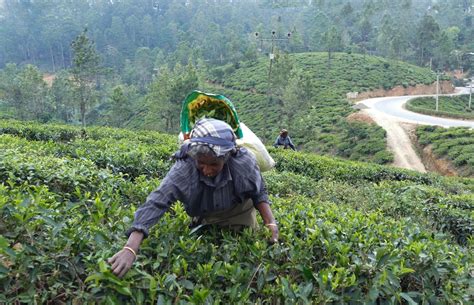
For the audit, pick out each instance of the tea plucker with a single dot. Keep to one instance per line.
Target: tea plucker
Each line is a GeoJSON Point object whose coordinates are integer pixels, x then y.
{"type": "Point", "coordinates": [284, 140]}
{"type": "Point", "coordinates": [218, 183]}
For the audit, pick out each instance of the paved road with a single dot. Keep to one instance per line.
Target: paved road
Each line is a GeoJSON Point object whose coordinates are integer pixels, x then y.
{"type": "Point", "coordinates": [393, 107]}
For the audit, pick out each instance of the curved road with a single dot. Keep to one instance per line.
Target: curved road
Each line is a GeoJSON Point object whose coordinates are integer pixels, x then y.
{"type": "Point", "coordinates": [388, 112]}
{"type": "Point", "coordinates": [393, 106]}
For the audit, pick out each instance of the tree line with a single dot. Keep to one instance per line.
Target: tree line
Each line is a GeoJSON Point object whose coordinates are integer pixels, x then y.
{"type": "Point", "coordinates": [425, 32]}
{"type": "Point", "coordinates": [89, 88]}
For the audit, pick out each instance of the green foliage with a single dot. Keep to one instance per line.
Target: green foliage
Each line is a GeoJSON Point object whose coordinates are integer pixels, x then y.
{"type": "Point", "coordinates": [427, 32]}
{"type": "Point", "coordinates": [166, 95]}
{"type": "Point", "coordinates": [353, 72]}
{"type": "Point", "coordinates": [25, 91]}
{"type": "Point", "coordinates": [318, 167]}
{"type": "Point", "coordinates": [304, 95]}
{"type": "Point", "coordinates": [62, 96]}
{"type": "Point", "coordinates": [350, 232]}
{"type": "Point", "coordinates": [448, 106]}
{"type": "Point", "coordinates": [455, 144]}
{"type": "Point", "coordinates": [312, 105]}
{"type": "Point", "coordinates": [120, 106]}
{"type": "Point", "coordinates": [128, 34]}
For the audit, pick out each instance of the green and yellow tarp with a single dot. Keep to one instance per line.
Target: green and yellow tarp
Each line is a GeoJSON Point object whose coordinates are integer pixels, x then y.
{"type": "Point", "coordinates": [199, 105]}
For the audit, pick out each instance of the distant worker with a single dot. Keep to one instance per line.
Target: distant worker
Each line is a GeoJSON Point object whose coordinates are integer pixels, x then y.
{"type": "Point", "coordinates": [284, 140]}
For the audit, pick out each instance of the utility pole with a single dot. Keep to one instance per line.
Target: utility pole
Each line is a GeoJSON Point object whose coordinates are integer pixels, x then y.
{"type": "Point", "coordinates": [470, 93]}
{"type": "Point", "coordinates": [470, 83]}
{"type": "Point", "coordinates": [437, 90]}
{"type": "Point", "coordinates": [273, 39]}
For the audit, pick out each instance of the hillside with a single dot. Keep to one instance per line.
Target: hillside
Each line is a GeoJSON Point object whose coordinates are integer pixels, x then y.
{"type": "Point", "coordinates": [305, 94]}
{"type": "Point", "coordinates": [346, 72]}
{"type": "Point", "coordinates": [221, 32]}
{"type": "Point", "coordinates": [454, 145]}
{"type": "Point", "coordinates": [310, 100]}
{"type": "Point", "coordinates": [350, 231]}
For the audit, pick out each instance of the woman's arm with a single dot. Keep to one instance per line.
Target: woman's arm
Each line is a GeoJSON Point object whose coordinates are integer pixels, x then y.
{"type": "Point", "coordinates": [277, 142]}
{"type": "Point", "coordinates": [146, 216]}
{"type": "Point", "coordinates": [267, 216]}
{"type": "Point", "coordinates": [290, 143]}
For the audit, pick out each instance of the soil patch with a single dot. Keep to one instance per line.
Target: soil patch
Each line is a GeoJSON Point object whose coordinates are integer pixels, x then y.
{"type": "Point", "coordinates": [49, 78]}
{"type": "Point", "coordinates": [398, 142]}
{"type": "Point", "coordinates": [432, 163]}
{"type": "Point", "coordinates": [360, 117]}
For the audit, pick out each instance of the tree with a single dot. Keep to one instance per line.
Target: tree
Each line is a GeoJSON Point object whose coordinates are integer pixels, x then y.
{"type": "Point", "coordinates": [120, 101]}
{"type": "Point", "coordinates": [166, 95]}
{"type": "Point", "coordinates": [280, 73]}
{"type": "Point", "coordinates": [140, 71]}
{"type": "Point", "coordinates": [296, 97]}
{"type": "Point", "coordinates": [36, 104]}
{"type": "Point", "coordinates": [347, 14]}
{"type": "Point", "coordinates": [116, 36]}
{"type": "Point", "coordinates": [9, 86]}
{"type": "Point", "coordinates": [365, 32]}
{"type": "Point", "coordinates": [85, 70]}
{"type": "Point", "coordinates": [445, 51]}
{"type": "Point", "coordinates": [332, 42]}
{"type": "Point", "coordinates": [427, 33]}
{"type": "Point", "coordinates": [26, 92]}
{"type": "Point", "coordinates": [385, 35]}
{"type": "Point", "coordinates": [62, 96]}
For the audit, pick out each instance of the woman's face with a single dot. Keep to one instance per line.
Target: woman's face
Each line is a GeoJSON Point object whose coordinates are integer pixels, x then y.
{"type": "Point", "coordinates": [209, 166]}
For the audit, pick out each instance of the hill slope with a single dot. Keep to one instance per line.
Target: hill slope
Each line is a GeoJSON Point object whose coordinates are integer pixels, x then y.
{"type": "Point", "coordinates": [307, 96]}
{"type": "Point", "coordinates": [455, 145]}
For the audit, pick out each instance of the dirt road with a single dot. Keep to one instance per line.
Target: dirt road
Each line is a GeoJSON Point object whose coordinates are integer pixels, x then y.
{"type": "Point", "coordinates": [398, 141]}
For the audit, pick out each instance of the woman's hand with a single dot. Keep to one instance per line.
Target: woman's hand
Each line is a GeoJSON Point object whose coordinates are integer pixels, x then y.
{"type": "Point", "coordinates": [274, 230]}
{"type": "Point", "coordinates": [121, 262]}
{"type": "Point", "coordinates": [267, 215]}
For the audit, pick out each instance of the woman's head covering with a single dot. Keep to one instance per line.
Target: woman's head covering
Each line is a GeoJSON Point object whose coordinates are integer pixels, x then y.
{"type": "Point", "coordinates": [216, 134]}
{"type": "Point", "coordinates": [283, 132]}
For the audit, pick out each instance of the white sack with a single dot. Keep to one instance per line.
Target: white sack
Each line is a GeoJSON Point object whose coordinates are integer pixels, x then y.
{"type": "Point", "coordinates": [253, 144]}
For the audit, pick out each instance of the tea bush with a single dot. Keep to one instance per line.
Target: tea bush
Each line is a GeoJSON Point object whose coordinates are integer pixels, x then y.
{"type": "Point", "coordinates": [350, 232]}
{"type": "Point", "coordinates": [448, 106]}
{"type": "Point", "coordinates": [455, 144]}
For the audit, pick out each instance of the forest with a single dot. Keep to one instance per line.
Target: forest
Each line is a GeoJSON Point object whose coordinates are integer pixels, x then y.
{"type": "Point", "coordinates": [128, 33]}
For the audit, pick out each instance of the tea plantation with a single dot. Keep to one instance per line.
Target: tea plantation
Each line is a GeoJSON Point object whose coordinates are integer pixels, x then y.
{"type": "Point", "coordinates": [307, 96]}
{"type": "Point", "coordinates": [454, 144]}
{"type": "Point", "coordinates": [310, 100]}
{"type": "Point", "coordinates": [448, 106]}
{"type": "Point", "coordinates": [351, 233]}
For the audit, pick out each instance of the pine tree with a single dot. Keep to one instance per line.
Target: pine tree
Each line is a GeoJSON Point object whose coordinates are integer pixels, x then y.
{"type": "Point", "coordinates": [85, 70]}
